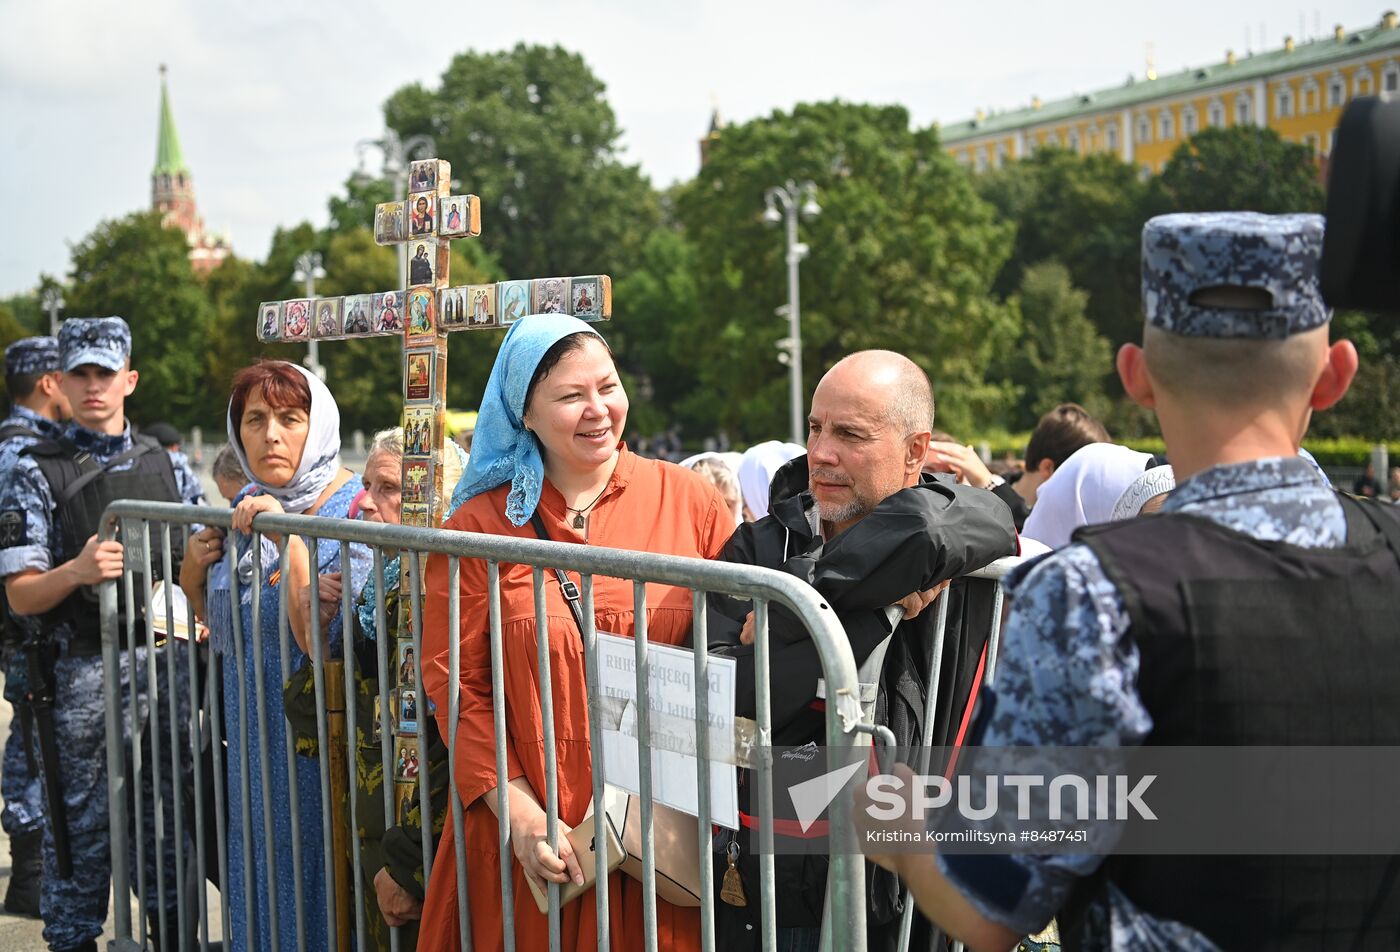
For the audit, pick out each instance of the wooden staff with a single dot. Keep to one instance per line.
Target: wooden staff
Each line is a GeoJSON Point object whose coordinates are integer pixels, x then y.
{"type": "Point", "coordinates": [341, 838]}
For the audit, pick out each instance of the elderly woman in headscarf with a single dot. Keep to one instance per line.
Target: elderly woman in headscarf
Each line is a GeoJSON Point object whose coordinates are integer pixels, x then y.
{"type": "Point", "coordinates": [284, 427]}
{"type": "Point", "coordinates": [547, 448]}
{"type": "Point", "coordinates": [391, 858]}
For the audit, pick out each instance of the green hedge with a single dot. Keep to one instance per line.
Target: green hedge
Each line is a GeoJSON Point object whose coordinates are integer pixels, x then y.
{"type": "Point", "coordinates": [1339, 451]}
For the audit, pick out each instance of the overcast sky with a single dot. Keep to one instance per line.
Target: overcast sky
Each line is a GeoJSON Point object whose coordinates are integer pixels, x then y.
{"type": "Point", "coordinates": [271, 98]}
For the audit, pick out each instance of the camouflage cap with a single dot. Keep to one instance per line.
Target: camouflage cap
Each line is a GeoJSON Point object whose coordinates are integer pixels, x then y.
{"type": "Point", "coordinates": [1279, 254]}
{"type": "Point", "coordinates": [104, 341]}
{"type": "Point", "coordinates": [31, 355]}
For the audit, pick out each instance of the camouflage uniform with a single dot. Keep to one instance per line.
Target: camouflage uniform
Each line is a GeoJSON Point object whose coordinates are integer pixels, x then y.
{"type": "Point", "coordinates": [19, 785]}
{"type": "Point", "coordinates": [1067, 673]}
{"type": "Point", "coordinates": [74, 910]}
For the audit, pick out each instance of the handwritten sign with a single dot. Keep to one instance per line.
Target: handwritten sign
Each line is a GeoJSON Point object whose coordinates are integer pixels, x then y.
{"type": "Point", "coordinates": [671, 705]}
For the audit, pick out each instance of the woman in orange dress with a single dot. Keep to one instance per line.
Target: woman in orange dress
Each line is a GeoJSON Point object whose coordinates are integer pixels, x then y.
{"type": "Point", "coordinates": [548, 441]}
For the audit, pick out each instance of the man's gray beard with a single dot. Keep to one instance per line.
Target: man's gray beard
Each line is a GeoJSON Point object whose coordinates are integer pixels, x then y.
{"type": "Point", "coordinates": [847, 512]}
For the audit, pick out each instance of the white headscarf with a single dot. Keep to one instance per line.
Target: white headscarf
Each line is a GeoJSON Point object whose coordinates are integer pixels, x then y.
{"type": "Point", "coordinates": [318, 465]}
{"type": "Point", "coordinates": [1082, 491]}
{"type": "Point", "coordinates": [1154, 482]}
{"type": "Point", "coordinates": [756, 471]}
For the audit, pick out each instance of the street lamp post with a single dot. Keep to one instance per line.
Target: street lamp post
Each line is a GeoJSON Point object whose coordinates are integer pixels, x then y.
{"type": "Point", "coordinates": [53, 303]}
{"type": "Point", "coordinates": [398, 153]}
{"type": "Point", "coordinates": [310, 271]}
{"type": "Point", "coordinates": [795, 198]}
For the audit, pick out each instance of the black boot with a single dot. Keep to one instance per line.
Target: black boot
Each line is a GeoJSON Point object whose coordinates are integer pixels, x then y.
{"type": "Point", "coordinates": [26, 874]}
{"type": "Point", "coordinates": [89, 946]}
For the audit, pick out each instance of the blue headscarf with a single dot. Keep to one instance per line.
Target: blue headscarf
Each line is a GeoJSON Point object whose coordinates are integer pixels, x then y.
{"type": "Point", "coordinates": [503, 451]}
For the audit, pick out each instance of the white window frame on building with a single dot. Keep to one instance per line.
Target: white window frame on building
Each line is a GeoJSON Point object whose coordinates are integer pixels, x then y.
{"type": "Point", "coordinates": [1074, 140]}
{"type": "Point", "coordinates": [1000, 154]}
{"type": "Point", "coordinates": [1331, 140]}
{"type": "Point", "coordinates": [1244, 110]}
{"type": "Point", "coordinates": [1283, 102]}
{"type": "Point", "coordinates": [1190, 121]}
{"type": "Point", "coordinates": [1052, 140]}
{"type": "Point", "coordinates": [1336, 91]}
{"type": "Point", "coordinates": [1390, 77]}
{"type": "Point", "coordinates": [1144, 129]}
{"type": "Point", "coordinates": [1363, 82]}
{"type": "Point", "coordinates": [1215, 116]}
{"type": "Point", "coordinates": [980, 161]}
{"type": "Point", "coordinates": [1307, 100]}
{"type": "Point", "coordinates": [1110, 135]}
{"type": "Point", "coordinates": [1166, 125]}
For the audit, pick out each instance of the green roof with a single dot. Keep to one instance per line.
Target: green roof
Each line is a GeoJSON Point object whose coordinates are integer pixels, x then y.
{"type": "Point", "coordinates": [169, 158]}
{"type": "Point", "coordinates": [1202, 79]}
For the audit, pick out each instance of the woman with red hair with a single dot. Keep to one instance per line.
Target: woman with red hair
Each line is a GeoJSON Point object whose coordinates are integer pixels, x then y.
{"type": "Point", "coordinates": [284, 427]}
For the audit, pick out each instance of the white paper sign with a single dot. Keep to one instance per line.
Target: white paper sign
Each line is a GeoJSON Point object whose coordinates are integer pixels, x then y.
{"type": "Point", "coordinates": [671, 697]}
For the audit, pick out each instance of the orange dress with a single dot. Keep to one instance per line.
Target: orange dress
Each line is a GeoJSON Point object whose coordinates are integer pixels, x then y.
{"type": "Point", "coordinates": [648, 506]}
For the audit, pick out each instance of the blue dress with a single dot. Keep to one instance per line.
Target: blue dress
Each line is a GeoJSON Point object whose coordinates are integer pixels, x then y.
{"type": "Point", "coordinates": [255, 933]}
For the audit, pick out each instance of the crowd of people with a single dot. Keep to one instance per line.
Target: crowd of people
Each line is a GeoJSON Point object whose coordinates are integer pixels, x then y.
{"type": "Point", "coordinates": [879, 512]}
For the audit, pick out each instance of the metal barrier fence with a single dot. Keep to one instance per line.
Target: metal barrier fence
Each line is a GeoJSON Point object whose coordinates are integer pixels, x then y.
{"type": "Point", "coordinates": [188, 735]}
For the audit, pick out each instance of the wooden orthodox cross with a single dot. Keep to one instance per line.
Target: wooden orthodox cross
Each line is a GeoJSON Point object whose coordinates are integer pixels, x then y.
{"type": "Point", "coordinates": [424, 313]}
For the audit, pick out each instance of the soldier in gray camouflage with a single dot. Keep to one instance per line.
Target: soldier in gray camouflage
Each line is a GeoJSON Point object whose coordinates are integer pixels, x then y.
{"type": "Point", "coordinates": [38, 410]}
{"type": "Point", "coordinates": [1235, 359]}
{"type": "Point", "coordinates": [46, 573]}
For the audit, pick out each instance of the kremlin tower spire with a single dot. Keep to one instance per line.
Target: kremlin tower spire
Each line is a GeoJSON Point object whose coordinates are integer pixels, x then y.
{"type": "Point", "coordinates": [172, 192]}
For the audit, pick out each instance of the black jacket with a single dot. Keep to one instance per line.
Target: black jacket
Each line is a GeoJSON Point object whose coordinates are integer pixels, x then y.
{"type": "Point", "coordinates": [911, 541]}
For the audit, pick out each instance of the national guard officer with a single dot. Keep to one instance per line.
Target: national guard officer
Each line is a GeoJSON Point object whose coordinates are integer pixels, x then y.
{"type": "Point", "coordinates": [51, 560]}
{"type": "Point", "coordinates": [38, 409]}
{"type": "Point", "coordinates": [1124, 639]}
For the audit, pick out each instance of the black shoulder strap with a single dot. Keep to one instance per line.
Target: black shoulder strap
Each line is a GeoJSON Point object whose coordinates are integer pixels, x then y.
{"type": "Point", "coordinates": [570, 590]}
{"type": "Point", "coordinates": [12, 430]}
{"type": "Point", "coordinates": [1377, 515]}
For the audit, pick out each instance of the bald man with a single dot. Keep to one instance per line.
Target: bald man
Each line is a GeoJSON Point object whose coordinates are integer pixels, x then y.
{"type": "Point", "coordinates": [868, 431]}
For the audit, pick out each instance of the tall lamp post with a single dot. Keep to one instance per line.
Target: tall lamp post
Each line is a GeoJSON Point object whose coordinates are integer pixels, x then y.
{"type": "Point", "coordinates": [309, 270]}
{"type": "Point", "coordinates": [795, 199]}
{"type": "Point", "coordinates": [398, 153]}
{"type": "Point", "coordinates": [53, 303]}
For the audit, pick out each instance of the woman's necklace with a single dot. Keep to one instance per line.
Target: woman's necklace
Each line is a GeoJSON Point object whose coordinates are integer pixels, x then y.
{"type": "Point", "coordinates": [579, 521]}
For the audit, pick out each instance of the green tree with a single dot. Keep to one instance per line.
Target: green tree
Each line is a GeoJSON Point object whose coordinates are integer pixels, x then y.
{"type": "Point", "coordinates": [530, 131]}
{"type": "Point", "coordinates": [903, 256]}
{"type": "Point", "coordinates": [136, 269]}
{"type": "Point", "coordinates": [655, 337]}
{"type": "Point", "coordinates": [1242, 168]}
{"type": "Point", "coordinates": [11, 329]}
{"type": "Point", "coordinates": [1085, 212]}
{"type": "Point", "coordinates": [1060, 356]}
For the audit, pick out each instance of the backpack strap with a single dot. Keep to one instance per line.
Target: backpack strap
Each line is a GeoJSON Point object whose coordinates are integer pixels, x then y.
{"type": "Point", "coordinates": [13, 430]}
{"type": "Point", "coordinates": [1377, 515]}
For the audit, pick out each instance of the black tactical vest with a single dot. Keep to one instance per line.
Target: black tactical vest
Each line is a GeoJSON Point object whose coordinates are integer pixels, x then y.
{"type": "Point", "coordinates": [81, 490]}
{"type": "Point", "coordinates": [1245, 642]}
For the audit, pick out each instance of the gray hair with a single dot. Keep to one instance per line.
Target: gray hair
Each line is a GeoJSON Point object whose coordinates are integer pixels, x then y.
{"type": "Point", "coordinates": [226, 465]}
{"type": "Point", "coordinates": [453, 457]}
{"type": "Point", "coordinates": [388, 441]}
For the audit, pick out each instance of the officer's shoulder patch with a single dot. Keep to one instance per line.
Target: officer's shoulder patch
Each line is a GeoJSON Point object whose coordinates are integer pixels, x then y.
{"type": "Point", "coordinates": [13, 529]}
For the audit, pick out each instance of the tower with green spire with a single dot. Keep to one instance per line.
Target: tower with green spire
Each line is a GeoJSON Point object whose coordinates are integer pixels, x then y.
{"type": "Point", "coordinates": [172, 191]}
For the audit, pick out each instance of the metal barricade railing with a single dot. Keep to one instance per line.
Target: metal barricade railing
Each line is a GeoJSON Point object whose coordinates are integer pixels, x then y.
{"type": "Point", "coordinates": [187, 735]}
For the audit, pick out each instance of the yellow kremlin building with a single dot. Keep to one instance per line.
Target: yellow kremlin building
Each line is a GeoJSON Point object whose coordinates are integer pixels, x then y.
{"type": "Point", "coordinates": [1298, 90]}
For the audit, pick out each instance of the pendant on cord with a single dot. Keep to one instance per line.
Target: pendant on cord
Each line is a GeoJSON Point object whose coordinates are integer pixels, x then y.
{"type": "Point", "coordinates": [578, 521]}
